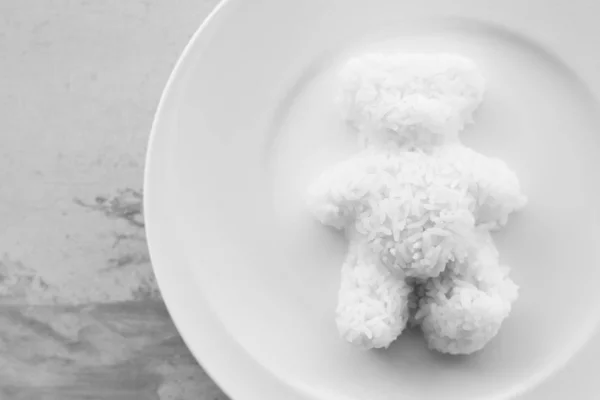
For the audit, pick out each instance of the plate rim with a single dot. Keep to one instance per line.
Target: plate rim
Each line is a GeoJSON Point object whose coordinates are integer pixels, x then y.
{"type": "Point", "coordinates": [230, 381]}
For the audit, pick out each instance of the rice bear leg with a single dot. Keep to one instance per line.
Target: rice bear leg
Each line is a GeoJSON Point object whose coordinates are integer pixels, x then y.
{"type": "Point", "coordinates": [463, 309]}
{"type": "Point", "coordinates": [372, 305]}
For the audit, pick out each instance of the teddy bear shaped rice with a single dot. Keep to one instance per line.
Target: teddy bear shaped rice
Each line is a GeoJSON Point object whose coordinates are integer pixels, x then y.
{"type": "Point", "coordinates": [417, 206]}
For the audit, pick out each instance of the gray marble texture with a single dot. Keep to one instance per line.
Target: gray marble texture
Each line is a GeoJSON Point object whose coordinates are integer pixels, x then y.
{"type": "Point", "coordinates": [80, 313]}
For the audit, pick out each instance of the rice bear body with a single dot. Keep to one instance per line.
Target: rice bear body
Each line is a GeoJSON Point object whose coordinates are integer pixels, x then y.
{"type": "Point", "coordinates": [417, 207]}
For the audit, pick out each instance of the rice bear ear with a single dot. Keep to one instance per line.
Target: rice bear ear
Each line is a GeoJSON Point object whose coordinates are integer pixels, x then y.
{"type": "Point", "coordinates": [410, 98]}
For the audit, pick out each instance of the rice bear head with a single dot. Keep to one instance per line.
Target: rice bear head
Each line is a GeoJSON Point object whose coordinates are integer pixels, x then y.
{"type": "Point", "coordinates": [410, 100]}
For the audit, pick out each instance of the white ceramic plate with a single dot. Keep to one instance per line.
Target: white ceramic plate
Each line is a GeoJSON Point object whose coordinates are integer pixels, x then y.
{"type": "Point", "coordinates": [247, 120]}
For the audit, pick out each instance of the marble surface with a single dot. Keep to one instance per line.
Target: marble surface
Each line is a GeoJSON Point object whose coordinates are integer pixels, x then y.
{"type": "Point", "coordinates": [80, 314]}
